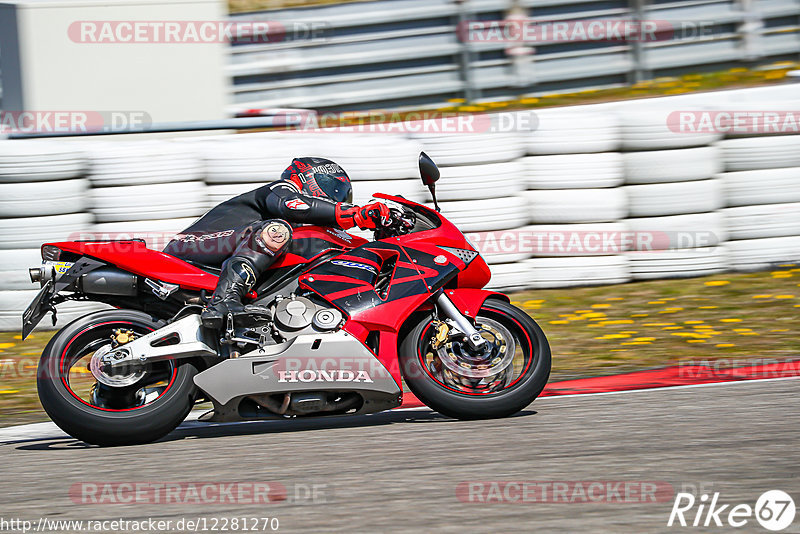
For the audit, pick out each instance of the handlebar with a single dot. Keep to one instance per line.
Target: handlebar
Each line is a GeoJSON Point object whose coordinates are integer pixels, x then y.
{"type": "Point", "coordinates": [400, 222]}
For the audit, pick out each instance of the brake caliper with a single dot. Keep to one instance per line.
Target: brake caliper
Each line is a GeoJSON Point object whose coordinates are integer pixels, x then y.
{"type": "Point", "coordinates": [121, 337]}
{"type": "Point", "coordinates": [441, 335]}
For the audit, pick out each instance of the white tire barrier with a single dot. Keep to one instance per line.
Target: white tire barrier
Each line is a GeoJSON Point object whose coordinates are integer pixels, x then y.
{"type": "Point", "coordinates": [217, 194]}
{"type": "Point", "coordinates": [597, 239]}
{"type": "Point", "coordinates": [13, 303]}
{"type": "Point", "coordinates": [679, 165]}
{"type": "Point", "coordinates": [756, 153]}
{"type": "Point", "coordinates": [681, 263]}
{"type": "Point", "coordinates": [262, 158]}
{"type": "Point", "coordinates": [577, 271]}
{"type": "Point", "coordinates": [258, 161]}
{"type": "Point", "coordinates": [577, 205]}
{"type": "Point", "coordinates": [509, 277]}
{"type": "Point", "coordinates": [767, 186]}
{"type": "Point", "coordinates": [654, 129]}
{"type": "Point", "coordinates": [475, 182]}
{"type": "Point", "coordinates": [574, 171]}
{"type": "Point", "coordinates": [363, 191]}
{"type": "Point", "coordinates": [14, 265]}
{"type": "Point", "coordinates": [43, 198]}
{"type": "Point", "coordinates": [674, 198]}
{"type": "Point", "coordinates": [144, 202]}
{"type": "Point", "coordinates": [142, 162]}
{"type": "Point", "coordinates": [32, 232]}
{"type": "Point", "coordinates": [36, 161]}
{"type": "Point", "coordinates": [375, 157]}
{"type": "Point", "coordinates": [483, 215]}
{"type": "Point", "coordinates": [502, 246]}
{"type": "Point", "coordinates": [760, 254]}
{"type": "Point", "coordinates": [770, 220]}
{"type": "Point", "coordinates": [678, 231]}
{"type": "Point", "coordinates": [570, 132]}
{"type": "Point", "coordinates": [471, 148]}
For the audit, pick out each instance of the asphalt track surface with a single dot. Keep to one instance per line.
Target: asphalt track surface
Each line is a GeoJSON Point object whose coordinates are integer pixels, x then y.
{"type": "Point", "coordinates": [398, 471]}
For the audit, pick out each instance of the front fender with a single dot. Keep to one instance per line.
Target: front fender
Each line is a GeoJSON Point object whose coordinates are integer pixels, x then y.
{"type": "Point", "coordinates": [469, 301]}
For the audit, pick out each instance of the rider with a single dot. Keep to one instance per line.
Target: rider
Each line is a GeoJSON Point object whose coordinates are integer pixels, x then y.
{"type": "Point", "coordinates": [248, 233]}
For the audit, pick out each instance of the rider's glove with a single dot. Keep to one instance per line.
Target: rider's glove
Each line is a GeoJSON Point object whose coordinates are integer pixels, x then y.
{"type": "Point", "coordinates": [366, 217]}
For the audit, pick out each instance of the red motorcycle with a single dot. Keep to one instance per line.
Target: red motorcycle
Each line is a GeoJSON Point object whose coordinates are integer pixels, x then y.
{"type": "Point", "coordinates": [342, 322]}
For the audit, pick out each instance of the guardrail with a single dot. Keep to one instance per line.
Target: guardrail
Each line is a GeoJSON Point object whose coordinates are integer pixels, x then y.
{"type": "Point", "coordinates": [408, 53]}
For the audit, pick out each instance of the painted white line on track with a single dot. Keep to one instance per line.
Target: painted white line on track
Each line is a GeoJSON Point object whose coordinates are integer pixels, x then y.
{"type": "Point", "coordinates": [49, 430]}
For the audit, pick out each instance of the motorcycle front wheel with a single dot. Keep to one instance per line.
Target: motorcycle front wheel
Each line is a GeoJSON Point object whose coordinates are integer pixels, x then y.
{"type": "Point", "coordinates": [498, 381]}
{"type": "Point", "coordinates": [99, 406]}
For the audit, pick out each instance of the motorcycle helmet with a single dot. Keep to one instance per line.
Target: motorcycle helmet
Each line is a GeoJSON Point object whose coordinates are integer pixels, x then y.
{"type": "Point", "coordinates": [320, 177]}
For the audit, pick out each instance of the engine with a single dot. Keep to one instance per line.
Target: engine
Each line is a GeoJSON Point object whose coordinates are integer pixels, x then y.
{"type": "Point", "coordinates": [294, 316]}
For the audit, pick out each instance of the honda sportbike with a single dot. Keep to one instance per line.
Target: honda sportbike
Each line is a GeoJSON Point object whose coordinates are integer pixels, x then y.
{"type": "Point", "coordinates": [342, 324]}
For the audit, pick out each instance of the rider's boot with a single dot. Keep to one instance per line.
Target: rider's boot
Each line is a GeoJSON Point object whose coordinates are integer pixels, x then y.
{"type": "Point", "coordinates": [262, 245]}
{"type": "Point", "coordinates": [237, 278]}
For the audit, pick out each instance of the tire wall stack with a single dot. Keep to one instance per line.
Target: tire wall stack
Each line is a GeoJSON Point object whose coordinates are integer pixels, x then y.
{"type": "Point", "coordinates": [44, 196]}
{"type": "Point", "coordinates": [674, 198]}
{"type": "Point", "coordinates": [760, 182]}
{"type": "Point", "coordinates": [593, 195]}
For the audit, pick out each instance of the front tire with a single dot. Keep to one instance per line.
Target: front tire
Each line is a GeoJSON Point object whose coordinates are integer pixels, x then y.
{"type": "Point", "coordinates": [121, 416]}
{"type": "Point", "coordinates": [415, 360]}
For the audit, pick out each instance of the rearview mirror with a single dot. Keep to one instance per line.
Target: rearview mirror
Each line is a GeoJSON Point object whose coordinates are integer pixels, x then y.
{"type": "Point", "coordinates": [428, 170]}
{"type": "Point", "coordinates": [429, 173]}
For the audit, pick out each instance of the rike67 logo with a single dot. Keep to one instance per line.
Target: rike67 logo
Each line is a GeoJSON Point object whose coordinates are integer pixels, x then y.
{"type": "Point", "coordinates": [774, 510]}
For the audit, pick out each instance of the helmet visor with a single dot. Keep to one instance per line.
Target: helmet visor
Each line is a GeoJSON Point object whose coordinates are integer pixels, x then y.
{"type": "Point", "coordinates": [336, 189]}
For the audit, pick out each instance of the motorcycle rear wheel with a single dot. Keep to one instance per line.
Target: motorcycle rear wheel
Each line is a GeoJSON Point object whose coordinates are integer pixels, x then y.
{"type": "Point", "coordinates": [158, 399]}
{"type": "Point", "coordinates": [531, 368]}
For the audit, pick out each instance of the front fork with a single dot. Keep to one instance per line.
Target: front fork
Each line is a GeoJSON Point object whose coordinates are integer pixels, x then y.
{"type": "Point", "coordinates": [474, 338]}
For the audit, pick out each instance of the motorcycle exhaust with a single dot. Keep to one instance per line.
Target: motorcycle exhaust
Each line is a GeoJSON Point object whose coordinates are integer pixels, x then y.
{"type": "Point", "coordinates": [102, 281]}
{"type": "Point", "coordinates": [109, 281]}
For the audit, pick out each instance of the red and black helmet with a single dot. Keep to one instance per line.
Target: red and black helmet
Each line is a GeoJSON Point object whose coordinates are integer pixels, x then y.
{"type": "Point", "coordinates": [320, 177]}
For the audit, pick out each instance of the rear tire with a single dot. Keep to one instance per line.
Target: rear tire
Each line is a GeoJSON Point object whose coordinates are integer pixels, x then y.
{"type": "Point", "coordinates": [103, 426]}
{"type": "Point", "coordinates": [502, 403]}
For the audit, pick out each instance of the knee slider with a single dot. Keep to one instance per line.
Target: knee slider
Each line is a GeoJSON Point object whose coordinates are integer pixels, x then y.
{"type": "Point", "coordinates": [273, 236]}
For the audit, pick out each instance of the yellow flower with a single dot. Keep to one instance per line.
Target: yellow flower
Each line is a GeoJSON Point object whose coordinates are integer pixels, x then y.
{"type": "Point", "coordinates": [559, 322]}
{"type": "Point", "coordinates": [718, 283]}
{"type": "Point", "coordinates": [6, 345]}
{"type": "Point", "coordinates": [707, 308]}
{"type": "Point", "coordinates": [657, 302]}
{"type": "Point", "coordinates": [601, 305]}
{"type": "Point", "coordinates": [730, 320]}
{"type": "Point", "coordinates": [725, 345]}
{"type": "Point", "coordinates": [784, 296]}
{"type": "Point", "coordinates": [762, 296]}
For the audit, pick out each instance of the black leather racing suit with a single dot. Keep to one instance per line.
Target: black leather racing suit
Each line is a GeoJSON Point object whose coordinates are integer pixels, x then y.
{"type": "Point", "coordinates": [233, 227]}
